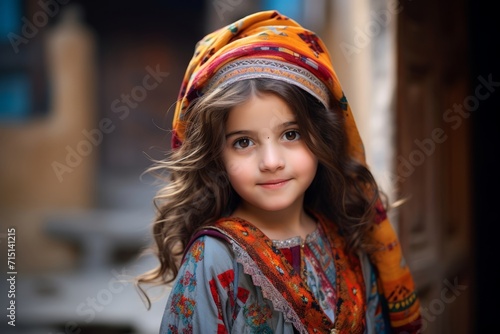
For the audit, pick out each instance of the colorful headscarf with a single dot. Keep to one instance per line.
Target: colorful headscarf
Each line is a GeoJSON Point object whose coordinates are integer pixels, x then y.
{"type": "Point", "coordinates": [270, 45]}
{"type": "Point", "coordinates": [265, 44]}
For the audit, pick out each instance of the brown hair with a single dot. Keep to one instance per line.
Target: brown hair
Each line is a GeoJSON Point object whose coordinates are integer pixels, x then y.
{"type": "Point", "coordinates": [198, 191]}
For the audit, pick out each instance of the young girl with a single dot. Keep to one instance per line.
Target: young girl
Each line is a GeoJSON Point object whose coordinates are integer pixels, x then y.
{"type": "Point", "coordinates": [271, 221]}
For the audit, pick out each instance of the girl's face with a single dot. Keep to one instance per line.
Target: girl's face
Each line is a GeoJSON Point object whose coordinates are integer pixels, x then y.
{"type": "Point", "coordinates": [268, 164]}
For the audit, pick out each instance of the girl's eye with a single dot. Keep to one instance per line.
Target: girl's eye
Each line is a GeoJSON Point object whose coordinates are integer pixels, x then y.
{"type": "Point", "coordinates": [291, 135]}
{"type": "Point", "coordinates": [242, 143]}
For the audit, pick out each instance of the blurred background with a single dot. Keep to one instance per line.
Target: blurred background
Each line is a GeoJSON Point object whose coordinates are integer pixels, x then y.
{"type": "Point", "coordinates": [86, 100]}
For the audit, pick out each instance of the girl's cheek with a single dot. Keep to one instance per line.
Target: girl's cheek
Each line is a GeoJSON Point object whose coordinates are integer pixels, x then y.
{"type": "Point", "coordinates": [233, 167]}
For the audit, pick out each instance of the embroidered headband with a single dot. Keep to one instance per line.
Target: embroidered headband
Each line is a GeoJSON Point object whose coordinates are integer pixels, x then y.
{"type": "Point", "coordinates": [252, 68]}
{"type": "Point", "coordinates": [264, 45]}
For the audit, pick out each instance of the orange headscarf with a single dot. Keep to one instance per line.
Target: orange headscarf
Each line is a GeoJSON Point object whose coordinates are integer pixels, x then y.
{"type": "Point", "coordinates": [274, 40]}
{"type": "Point", "coordinates": [270, 45]}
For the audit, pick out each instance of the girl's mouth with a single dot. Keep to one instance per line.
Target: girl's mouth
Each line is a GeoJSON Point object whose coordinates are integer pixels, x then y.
{"type": "Point", "coordinates": [273, 184]}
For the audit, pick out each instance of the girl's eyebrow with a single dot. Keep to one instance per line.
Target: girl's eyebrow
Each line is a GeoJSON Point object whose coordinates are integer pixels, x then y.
{"type": "Point", "coordinates": [239, 132]}
{"type": "Point", "coordinates": [287, 124]}
{"type": "Point", "coordinates": [248, 132]}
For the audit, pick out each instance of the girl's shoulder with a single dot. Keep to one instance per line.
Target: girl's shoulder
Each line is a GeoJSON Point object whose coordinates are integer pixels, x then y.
{"type": "Point", "coordinates": [208, 247]}
{"type": "Point", "coordinates": [207, 258]}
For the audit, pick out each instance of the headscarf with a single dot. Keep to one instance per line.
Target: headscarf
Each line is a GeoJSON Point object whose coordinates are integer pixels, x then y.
{"type": "Point", "coordinates": [264, 44]}
{"type": "Point", "coordinates": [270, 45]}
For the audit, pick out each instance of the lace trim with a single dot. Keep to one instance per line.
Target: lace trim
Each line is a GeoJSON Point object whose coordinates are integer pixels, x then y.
{"type": "Point", "coordinates": [296, 241]}
{"type": "Point", "coordinates": [268, 289]}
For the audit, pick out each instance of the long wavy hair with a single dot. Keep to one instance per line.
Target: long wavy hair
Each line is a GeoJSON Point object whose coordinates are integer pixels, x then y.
{"type": "Point", "coordinates": [198, 192]}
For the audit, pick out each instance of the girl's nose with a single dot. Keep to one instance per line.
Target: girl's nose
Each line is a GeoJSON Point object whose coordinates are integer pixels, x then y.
{"type": "Point", "coordinates": [271, 157]}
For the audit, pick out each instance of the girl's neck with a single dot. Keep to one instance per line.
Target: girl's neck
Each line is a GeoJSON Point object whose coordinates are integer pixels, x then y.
{"type": "Point", "coordinates": [278, 225]}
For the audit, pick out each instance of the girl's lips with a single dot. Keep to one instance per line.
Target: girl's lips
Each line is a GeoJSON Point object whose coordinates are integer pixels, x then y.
{"type": "Point", "coordinates": [273, 184]}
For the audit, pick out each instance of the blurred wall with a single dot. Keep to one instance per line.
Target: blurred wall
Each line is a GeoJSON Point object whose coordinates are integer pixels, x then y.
{"type": "Point", "coordinates": [47, 164]}
{"type": "Point", "coordinates": [102, 78]}
{"type": "Point", "coordinates": [112, 74]}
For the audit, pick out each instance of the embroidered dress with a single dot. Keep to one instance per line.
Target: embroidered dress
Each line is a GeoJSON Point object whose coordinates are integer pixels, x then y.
{"type": "Point", "coordinates": [221, 289]}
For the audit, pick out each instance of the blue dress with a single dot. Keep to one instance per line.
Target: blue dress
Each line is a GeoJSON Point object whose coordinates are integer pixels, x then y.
{"type": "Point", "coordinates": [220, 289]}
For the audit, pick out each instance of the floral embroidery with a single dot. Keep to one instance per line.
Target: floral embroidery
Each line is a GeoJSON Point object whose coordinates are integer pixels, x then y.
{"type": "Point", "coordinates": [256, 317]}
{"type": "Point", "coordinates": [188, 281]}
{"type": "Point", "coordinates": [181, 304]}
{"type": "Point", "coordinates": [197, 251]}
{"type": "Point", "coordinates": [183, 307]}
{"type": "Point", "coordinates": [174, 330]}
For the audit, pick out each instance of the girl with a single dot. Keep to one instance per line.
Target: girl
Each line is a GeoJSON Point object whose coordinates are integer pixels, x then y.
{"type": "Point", "coordinates": [271, 221]}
